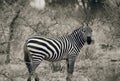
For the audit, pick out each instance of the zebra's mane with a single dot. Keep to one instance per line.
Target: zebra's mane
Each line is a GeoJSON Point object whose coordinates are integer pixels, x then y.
{"type": "Point", "coordinates": [77, 30]}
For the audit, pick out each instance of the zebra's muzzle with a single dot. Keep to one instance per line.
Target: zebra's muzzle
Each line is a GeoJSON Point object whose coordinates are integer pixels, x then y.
{"type": "Point", "coordinates": [89, 40]}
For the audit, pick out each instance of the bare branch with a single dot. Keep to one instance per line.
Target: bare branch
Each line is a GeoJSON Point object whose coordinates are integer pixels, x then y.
{"type": "Point", "coordinates": [3, 32]}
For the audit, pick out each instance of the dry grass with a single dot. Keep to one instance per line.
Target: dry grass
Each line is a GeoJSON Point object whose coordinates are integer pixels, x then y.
{"type": "Point", "coordinates": [103, 68]}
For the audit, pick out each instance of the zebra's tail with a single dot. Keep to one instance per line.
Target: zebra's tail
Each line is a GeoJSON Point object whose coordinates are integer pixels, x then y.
{"type": "Point", "coordinates": [27, 58]}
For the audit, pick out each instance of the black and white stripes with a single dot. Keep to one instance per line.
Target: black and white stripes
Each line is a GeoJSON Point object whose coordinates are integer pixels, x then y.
{"type": "Point", "coordinates": [56, 49]}
{"type": "Point", "coordinates": [42, 48]}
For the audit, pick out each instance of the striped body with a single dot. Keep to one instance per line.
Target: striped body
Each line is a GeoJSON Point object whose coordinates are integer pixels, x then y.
{"type": "Point", "coordinates": [52, 49]}
{"type": "Point", "coordinates": [67, 48]}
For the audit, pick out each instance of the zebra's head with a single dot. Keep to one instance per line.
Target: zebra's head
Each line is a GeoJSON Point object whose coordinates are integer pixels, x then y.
{"type": "Point", "coordinates": [83, 33]}
{"type": "Point", "coordinates": [87, 34]}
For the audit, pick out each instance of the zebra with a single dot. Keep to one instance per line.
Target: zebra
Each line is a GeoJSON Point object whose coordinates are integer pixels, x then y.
{"type": "Point", "coordinates": [67, 47]}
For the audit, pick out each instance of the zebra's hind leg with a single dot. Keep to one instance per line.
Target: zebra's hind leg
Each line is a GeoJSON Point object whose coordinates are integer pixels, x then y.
{"type": "Point", "coordinates": [31, 66]}
{"type": "Point", "coordinates": [70, 68]}
{"type": "Point", "coordinates": [31, 70]}
{"type": "Point", "coordinates": [35, 74]}
{"type": "Point", "coordinates": [28, 64]}
{"type": "Point", "coordinates": [36, 77]}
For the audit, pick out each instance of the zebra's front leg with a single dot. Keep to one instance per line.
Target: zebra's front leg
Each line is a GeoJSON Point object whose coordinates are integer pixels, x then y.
{"type": "Point", "coordinates": [29, 78]}
{"type": "Point", "coordinates": [70, 68]}
{"type": "Point", "coordinates": [36, 77]}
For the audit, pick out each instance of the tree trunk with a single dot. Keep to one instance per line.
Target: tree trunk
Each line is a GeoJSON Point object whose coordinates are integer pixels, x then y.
{"type": "Point", "coordinates": [11, 34]}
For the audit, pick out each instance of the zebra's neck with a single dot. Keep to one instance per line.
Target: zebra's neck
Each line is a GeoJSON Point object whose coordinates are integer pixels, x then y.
{"type": "Point", "coordinates": [78, 39]}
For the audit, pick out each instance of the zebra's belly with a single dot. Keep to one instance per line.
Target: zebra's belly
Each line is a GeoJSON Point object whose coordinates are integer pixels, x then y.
{"type": "Point", "coordinates": [56, 57]}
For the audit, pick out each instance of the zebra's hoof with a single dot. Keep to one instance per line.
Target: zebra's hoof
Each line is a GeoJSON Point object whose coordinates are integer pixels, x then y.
{"type": "Point", "coordinates": [29, 79]}
{"type": "Point", "coordinates": [36, 79]}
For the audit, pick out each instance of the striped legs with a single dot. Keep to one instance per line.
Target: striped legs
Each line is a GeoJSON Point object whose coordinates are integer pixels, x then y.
{"type": "Point", "coordinates": [70, 68]}
{"type": "Point", "coordinates": [31, 70]}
